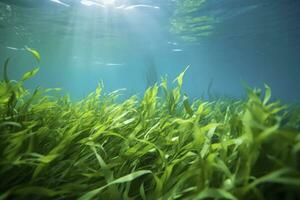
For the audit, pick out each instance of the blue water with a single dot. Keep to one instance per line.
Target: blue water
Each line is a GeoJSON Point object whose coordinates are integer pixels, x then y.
{"type": "Point", "coordinates": [131, 43]}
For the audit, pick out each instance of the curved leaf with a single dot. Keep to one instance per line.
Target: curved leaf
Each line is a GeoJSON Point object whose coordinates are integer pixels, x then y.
{"type": "Point", "coordinates": [5, 76]}
{"type": "Point", "coordinates": [123, 179]}
{"type": "Point", "coordinates": [30, 74]}
{"type": "Point", "coordinates": [35, 53]}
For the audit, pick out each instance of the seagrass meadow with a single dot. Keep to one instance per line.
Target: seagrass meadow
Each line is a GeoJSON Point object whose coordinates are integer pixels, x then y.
{"type": "Point", "coordinates": [160, 146]}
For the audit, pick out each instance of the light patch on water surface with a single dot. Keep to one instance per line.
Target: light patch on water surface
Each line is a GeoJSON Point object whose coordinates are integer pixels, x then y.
{"type": "Point", "coordinates": [114, 64]}
{"type": "Point", "coordinates": [121, 7]}
{"type": "Point", "coordinates": [140, 6]}
{"type": "Point", "coordinates": [177, 50]}
{"type": "Point", "coordinates": [14, 48]}
{"type": "Point", "coordinates": [91, 3]}
{"type": "Point", "coordinates": [59, 2]}
{"type": "Point", "coordinates": [173, 43]}
{"type": "Point", "coordinates": [106, 64]}
{"type": "Point", "coordinates": [112, 4]}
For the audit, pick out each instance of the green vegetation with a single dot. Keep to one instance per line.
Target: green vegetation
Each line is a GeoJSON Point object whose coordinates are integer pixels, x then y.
{"type": "Point", "coordinates": [160, 147]}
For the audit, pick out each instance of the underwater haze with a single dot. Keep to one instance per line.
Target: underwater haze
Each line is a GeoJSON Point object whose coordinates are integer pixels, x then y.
{"type": "Point", "coordinates": [132, 43]}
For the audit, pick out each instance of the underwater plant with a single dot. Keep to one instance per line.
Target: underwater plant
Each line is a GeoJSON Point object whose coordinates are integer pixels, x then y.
{"type": "Point", "coordinates": [151, 75]}
{"type": "Point", "coordinates": [160, 147]}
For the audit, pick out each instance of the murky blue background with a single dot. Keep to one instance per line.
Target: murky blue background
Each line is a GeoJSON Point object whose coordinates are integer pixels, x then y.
{"type": "Point", "coordinates": [131, 43]}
